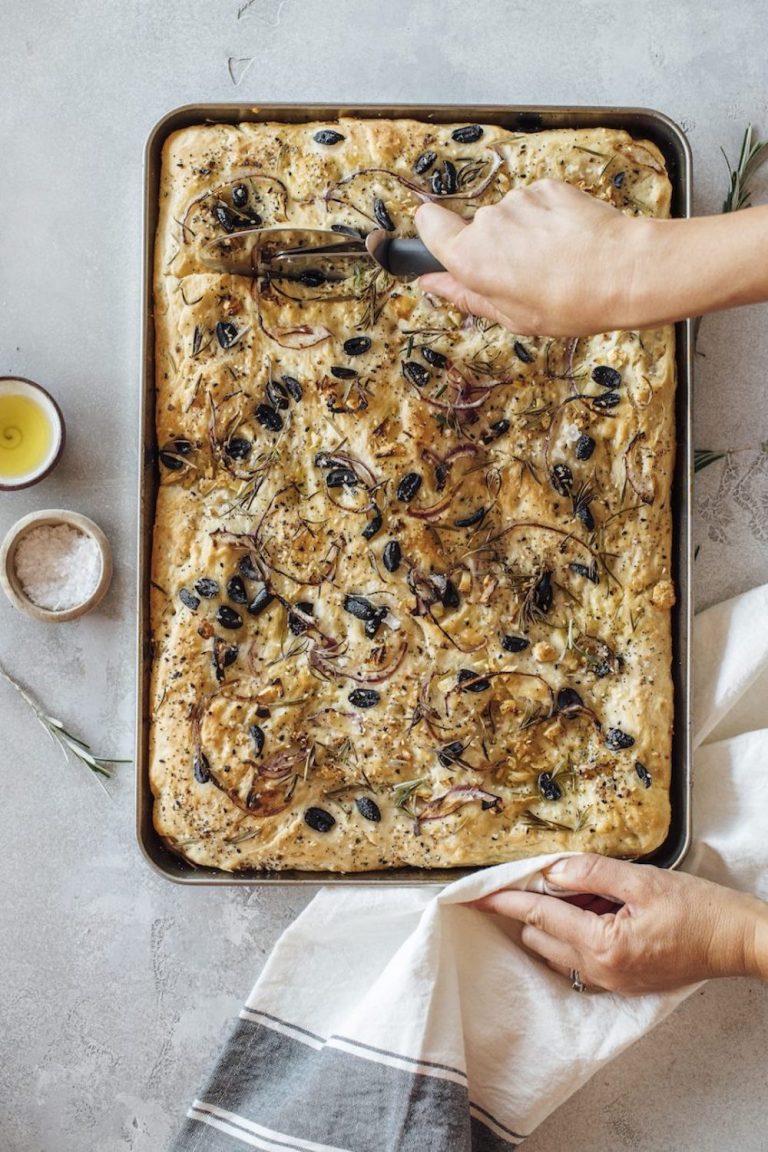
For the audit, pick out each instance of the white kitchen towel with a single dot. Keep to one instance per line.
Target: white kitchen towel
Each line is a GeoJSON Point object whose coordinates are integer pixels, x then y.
{"type": "Point", "coordinates": [398, 1020]}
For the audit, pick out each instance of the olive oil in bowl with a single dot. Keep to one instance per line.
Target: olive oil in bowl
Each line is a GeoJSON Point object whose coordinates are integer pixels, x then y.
{"type": "Point", "coordinates": [31, 433]}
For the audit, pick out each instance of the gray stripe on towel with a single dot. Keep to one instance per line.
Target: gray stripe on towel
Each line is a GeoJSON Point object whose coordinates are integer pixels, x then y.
{"type": "Point", "coordinates": [333, 1097]}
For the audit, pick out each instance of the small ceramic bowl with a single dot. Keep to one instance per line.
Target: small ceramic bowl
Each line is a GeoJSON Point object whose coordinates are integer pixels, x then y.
{"type": "Point", "coordinates": [19, 386]}
{"type": "Point", "coordinates": [12, 585]}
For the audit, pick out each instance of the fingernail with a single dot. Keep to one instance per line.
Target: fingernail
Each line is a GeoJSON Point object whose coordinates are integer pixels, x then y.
{"type": "Point", "coordinates": [556, 870]}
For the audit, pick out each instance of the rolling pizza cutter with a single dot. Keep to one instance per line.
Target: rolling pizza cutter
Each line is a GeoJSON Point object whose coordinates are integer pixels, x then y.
{"type": "Point", "coordinates": [315, 256]}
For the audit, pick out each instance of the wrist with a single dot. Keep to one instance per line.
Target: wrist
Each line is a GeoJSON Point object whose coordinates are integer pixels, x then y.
{"type": "Point", "coordinates": [668, 272]}
{"type": "Point", "coordinates": [757, 949]}
{"type": "Point", "coordinates": [691, 267]}
{"type": "Point", "coordinates": [653, 291]}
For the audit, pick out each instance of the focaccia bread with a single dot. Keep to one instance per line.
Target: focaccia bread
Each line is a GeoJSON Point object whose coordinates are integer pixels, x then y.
{"type": "Point", "coordinates": [411, 578]}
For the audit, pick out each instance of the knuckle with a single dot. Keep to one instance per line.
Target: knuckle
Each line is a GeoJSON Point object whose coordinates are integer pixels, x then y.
{"type": "Point", "coordinates": [535, 917]}
{"type": "Point", "coordinates": [613, 951]}
{"type": "Point", "coordinates": [585, 867]}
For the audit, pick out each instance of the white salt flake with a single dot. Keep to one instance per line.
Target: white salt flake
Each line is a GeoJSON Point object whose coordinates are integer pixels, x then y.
{"type": "Point", "coordinates": [59, 566]}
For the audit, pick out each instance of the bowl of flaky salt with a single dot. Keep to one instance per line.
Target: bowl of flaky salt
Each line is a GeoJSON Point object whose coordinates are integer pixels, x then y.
{"type": "Point", "coordinates": [55, 565]}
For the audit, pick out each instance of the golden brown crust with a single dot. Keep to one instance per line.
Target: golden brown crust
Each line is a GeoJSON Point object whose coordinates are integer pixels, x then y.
{"type": "Point", "coordinates": [534, 510]}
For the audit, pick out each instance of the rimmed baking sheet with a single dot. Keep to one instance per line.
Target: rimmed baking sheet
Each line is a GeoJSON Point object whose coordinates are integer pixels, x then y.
{"type": "Point", "coordinates": [639, 122]}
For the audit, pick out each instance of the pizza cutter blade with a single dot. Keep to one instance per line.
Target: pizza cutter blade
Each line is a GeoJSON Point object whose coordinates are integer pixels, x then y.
{"type": "Point", "coordinates": [315, 255]}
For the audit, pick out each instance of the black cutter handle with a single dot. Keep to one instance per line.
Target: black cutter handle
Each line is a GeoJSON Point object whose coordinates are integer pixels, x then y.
{"type": "Point", "coordinates": [407, 258]}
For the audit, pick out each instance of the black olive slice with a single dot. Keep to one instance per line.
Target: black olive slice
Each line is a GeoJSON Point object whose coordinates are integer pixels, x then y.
{"type": "Point", "coordinates": [606, 377]}
{"type": "Point", "coordinates": [408, 487]}
{"type": "Point", "coordinates": [357, 345]}
{"type": "Point", "coordinates": [319, 820]}
{"type": "Point", "coordinates": [433, 357]}
{"type": "Point", "coordinates": [187, 598]}
{"type": "Point", "coordinates": [236, 590]}
{"type": "Point", "coordinates": [468, 134]}
{"type": "Point", "coordinates": [585, 446]}
{"type": "Point", "coordinates": [256, 733]}
{"type": "Point", "coordinates": [228, 618]}
{"type": "Point", "coordinates": [364, 697]}
{"type": "Point", "coordinates": [392, 556]}
{"type": "Point", "coordinates": [368, 808]}
{"type": "Point", "coordinates": [548, 787]}
{"type": "Point", "coordinates": [383, 218]}
{"type": "Point", "coordinates": [226, 333]}
{"type": "Point", "coordinates": [515, 643]}
{"type": "Point", "coordinates": [416, 373]}
{"type": "Point", "coordinates": [617, 740]}
{"type": "Point", "coordinates": [424, 162]}
{"type": "Point", "coordinates": [450, 753]}
{"type": "Point", "coordinates": [328, 136]}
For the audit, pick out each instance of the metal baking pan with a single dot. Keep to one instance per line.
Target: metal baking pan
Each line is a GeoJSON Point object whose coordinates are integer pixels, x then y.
{"type": "Point", "coordinates": [639, 122]}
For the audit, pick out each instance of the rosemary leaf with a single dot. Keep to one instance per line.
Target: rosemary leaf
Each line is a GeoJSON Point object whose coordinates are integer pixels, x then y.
{"type": "Point", "coordinates": [531, 819]}
{"type": "Point", "coordinates": [752, 156]}
{"type": "Point", "coordinates": [703, 457]}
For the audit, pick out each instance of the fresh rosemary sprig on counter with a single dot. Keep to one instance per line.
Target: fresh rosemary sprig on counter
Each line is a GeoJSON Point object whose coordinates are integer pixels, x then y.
{"type": "Point", "coordinates": [703, 457]}
{"type": "Point", "coordinates": [752, 156]}
{"type": "Point", "coordinates": [70, 744]}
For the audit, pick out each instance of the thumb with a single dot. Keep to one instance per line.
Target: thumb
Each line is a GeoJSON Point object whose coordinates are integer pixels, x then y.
{"type": "Point", "coordinates": [447, 286]}
{"type": "Point", "coordinates": [438, 228]}
{"type": "Point", "coordinates": [599, 875]}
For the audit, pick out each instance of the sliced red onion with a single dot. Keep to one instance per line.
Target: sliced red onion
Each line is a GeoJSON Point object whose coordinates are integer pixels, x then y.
{"type": "Point", "coordinates": [456, 798]}
{"type": "Point", "coordinates": [427, 712]}
{"type": "Point", "coordinates": [459, 404]}
{"type": "Point", "coordinates": [355, 511]}
{"type": "Point", "coordinates": [431, 457]}
{"type": "Point", "coordinates": [354, 717]}
{"type": "Point", "coordinates": [323, 663]}
{"type": "Point", "coordinates": [361, 470]}
{"type": "Point", "coordinates": [434, 510]}
{"type": "Point", "coordinates": [637, 154]}
{"type": "Point", "coordinates": [246, 540]}
{"type": "Point", "coordinates": [268, 802]}
{"type": "Point", "coordinates": [460, 450]}
{"type": "Point", "coordinates": [641, 485]}
{"type": "Point", "coordinates": [281, 764]}
{"type": "Point", "coordinates": [383, 673]}
{"type": "Point", "coordinates": [300, 336]}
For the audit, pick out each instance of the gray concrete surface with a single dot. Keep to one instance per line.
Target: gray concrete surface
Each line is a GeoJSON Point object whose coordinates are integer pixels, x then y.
{"type": "Point", "coordinates": [115, 986]}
